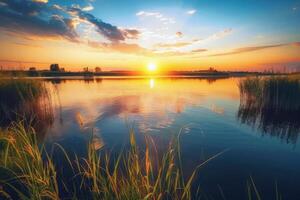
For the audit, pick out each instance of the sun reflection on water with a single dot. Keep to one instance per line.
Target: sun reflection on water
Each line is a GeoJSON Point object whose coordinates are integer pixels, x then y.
{"type": "Point", "coordinates": [151, 83]}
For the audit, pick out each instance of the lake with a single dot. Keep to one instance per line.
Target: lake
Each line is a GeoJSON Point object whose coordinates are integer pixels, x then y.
{"type": "Point", "coordinates": [210, 116]}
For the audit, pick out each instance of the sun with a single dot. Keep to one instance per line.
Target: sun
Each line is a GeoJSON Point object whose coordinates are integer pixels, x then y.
{"type": "Point", "coordinates": [152, 67]}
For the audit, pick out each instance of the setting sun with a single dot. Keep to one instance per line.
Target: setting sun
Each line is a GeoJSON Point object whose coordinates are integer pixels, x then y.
{"type": "Point", "coordinates": [152, 67]}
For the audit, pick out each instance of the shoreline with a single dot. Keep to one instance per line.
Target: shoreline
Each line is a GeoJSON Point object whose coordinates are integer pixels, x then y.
{"type": "Point", "coordinates": [129, 74]}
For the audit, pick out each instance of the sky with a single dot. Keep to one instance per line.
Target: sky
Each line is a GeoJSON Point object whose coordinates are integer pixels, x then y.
{"type": "Point", "coordinates": [179, 35]}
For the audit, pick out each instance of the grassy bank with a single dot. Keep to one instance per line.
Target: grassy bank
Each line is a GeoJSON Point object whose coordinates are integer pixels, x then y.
{"type": "Point", "coordinates": [272, 104]}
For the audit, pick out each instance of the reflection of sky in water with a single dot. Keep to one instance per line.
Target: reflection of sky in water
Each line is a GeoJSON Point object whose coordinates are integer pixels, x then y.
{"type": "Point", "coordinates": [158, 107]}
{"type": "Point", "coordinates": [152, 105]}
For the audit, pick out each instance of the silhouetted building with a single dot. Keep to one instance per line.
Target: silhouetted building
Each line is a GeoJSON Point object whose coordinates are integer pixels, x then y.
{"type": "Point", "coordinates": [32, 69]}
{"type": "Point", "coordinates": [86, 69]}
{"type": "Point", "coordinates": [54, 67]}
{"type": "Point", "coordinates": [211, 69]}
{"type": "Point", "coordinates": [98, 69]}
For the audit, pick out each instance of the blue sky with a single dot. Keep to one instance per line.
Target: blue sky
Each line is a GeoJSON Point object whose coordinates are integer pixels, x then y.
{"type": "Point", "coordinates": [158, 29]}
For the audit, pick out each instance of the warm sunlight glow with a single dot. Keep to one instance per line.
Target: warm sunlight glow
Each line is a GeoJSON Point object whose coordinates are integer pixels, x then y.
{"type": "Point", "coordinates": [152, 67]}
{"type": "Point", "coordinates": [151, 83]}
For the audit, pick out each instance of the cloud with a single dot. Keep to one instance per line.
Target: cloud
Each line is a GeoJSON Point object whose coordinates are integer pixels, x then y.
{"type": "Point", "coordinates": [27, 44]}
{"type": "Point", "coordinates": [156, 15]}
{"type": "Point", "coordinates": [254, 48]}
{"type": "Point", "coordinates": [147, 14]}
{"type": "Point", "coordinates": [42, 1]}
{"type": "Point", "coordinates": [216, 36]}
{"type": "Point", "coordinates": [109, 31]}
{"type": "Point", "coordinates": [179, 53]}
{"type": "Point", "coordinates": [35, 18]}
{"type": "Point", "coordinates": [220, 34]}
{"type": "Point", "coordinates": [170, 45]}
{"type": "Point", "coordinates": [119, 47]}
{"type": "Point", "coordinates": [138, 50]}
{"type": "Point", "coordinates": [198, 50]}
{"type": "Point", "coordinates": [179, 34]}
{"type": "Point", "coordinates": [89, 7]}
{"type": "Point", "coordinates": [296, 44]}
{"type": "Point", "coordinates": [131, 33]}
{"type": "Point", "coordinates": [191, 12]}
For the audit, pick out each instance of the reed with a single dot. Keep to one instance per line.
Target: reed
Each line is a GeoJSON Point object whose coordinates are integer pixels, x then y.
{"type": "Point", "coordinates": [134, 176]}
{"type": "Point", "coordinates": [272, 104]}
{"type": "Point", "coordinates": [29, 172]}
{"type": "Point", "coordinates": [25, 173]}
{"type": "Point", "coordinates": [26, 100]}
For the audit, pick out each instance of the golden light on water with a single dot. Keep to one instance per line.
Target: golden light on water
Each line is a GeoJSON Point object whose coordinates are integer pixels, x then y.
{"type": "Point", "coordinates": [151, 83]}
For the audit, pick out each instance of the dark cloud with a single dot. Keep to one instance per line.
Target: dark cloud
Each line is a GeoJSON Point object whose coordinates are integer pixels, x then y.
{"type": "Point", "coordinates": [131, 33]}
{"type": "Point", "coordinates": [36, 18]}
{"type": "Point", "coordinates": [109, 31]}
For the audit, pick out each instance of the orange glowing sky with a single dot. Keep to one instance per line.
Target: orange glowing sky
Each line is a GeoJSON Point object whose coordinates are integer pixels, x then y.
{"type": "Point", "coordinates": [179, 35]}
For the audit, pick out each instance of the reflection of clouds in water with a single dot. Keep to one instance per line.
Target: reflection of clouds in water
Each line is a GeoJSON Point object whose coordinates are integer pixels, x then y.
{"type": "Point", "coordinates": [97, 141]}
{"type": "Point", "coordinates": [154, 123]}
{"type": "Point", "coordinates": [152, 109]}
{"type": "Point", "coordinates": [152, 112]}
{"type": "Point", "coordinates": [217, 109]}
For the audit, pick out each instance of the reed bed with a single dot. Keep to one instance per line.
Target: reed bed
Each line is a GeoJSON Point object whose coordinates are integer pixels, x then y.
{"type": "Point", "coordinates": [26, 100]}
{"type": "Point", "coordinates": [271, 104]}
{"type": "Point", "coordinates": [24, 172]}
{"type": "Point", "coordinates": [29, 172]}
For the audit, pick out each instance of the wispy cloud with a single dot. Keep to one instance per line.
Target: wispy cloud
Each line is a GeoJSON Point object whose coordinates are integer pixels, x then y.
{"type": "Point", "coordinates": [191, 12]}
{"type": "Point", "coordinates": [157, 15]}
{"type": "Point", "coordinates": [198, 50]}
{"type": "Point", "coordinates": [89, 7]}
{"type": "Point", "coordinates": [254, 48]}
{"type": "Point", "coordinates": [170, 45]}
{"type": "Point", "coordinates": [119, 47]}
{"type": "Point", "coordinates": [220, 34]}
{"type": "Point", "coordinates": [27, 44]}
{"type": "Point", "coordinates": [42, 1]}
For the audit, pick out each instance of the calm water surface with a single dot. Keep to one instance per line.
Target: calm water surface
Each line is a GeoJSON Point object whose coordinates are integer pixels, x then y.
{"type": "Point", "coordinates": [205, 109]}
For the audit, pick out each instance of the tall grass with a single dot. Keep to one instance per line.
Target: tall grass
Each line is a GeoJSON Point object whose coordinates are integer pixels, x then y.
{"type": "Point", "coordinates": [25, 173]}
{"type": "Point", "coordinates": [28, 171]}
{"type": "Point", "coordinates": [272, 104]}
{"type": "Point", "coordinates": [27, 100]}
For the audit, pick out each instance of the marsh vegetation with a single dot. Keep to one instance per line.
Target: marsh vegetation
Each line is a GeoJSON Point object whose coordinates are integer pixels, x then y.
{"type": "Point", "coordinates": [271, 104]}
{"type": "Point", "coordinates": [25, 100]}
